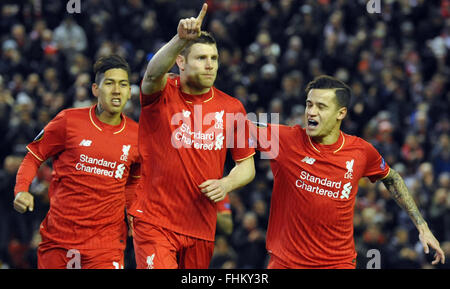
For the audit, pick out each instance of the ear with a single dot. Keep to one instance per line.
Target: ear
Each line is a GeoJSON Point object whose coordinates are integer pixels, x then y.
{"type": "Point", "coordinates": [95, 89]}
{"type": "Point", "coordinates": [342, 113]}
{"type": "Point", "coordinates": [180, 62]}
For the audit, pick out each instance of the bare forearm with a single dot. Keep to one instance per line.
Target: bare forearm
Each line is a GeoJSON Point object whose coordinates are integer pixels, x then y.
{"type": "Point", "coordinates": [397, 187]}
{"type": "Point", "coordinates": [161, 63]}
{"type": "Point", "coordinates": [242, 174]}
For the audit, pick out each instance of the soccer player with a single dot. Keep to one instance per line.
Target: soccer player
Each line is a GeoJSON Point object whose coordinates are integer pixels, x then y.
{"type": "Point", "coordinates": [96, 171]}
{"type": "Point", "coordinates": [185, 129]}
{"type": "Point", "coordinates": [316, 172]}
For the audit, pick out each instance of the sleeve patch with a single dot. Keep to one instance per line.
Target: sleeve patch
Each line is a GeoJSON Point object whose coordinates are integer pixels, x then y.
{"type": "Point", "coordinates": [39, 136]}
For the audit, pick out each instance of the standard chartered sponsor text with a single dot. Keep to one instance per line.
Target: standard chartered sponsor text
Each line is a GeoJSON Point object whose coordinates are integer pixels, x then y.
{"type": "Point", "coordinates": [305, 176]}
{"type": "Point", "coordinates": [89, 165]}
{"type": "Point", "coordinates": [188, 138]}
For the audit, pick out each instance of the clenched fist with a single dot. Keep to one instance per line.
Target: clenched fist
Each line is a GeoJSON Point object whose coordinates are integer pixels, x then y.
{"type": "Point", "coordinates": [24, 201]}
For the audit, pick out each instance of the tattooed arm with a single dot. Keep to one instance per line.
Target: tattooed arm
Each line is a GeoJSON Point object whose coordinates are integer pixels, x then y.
{"type": "Point", "coordinates": [396, 186]}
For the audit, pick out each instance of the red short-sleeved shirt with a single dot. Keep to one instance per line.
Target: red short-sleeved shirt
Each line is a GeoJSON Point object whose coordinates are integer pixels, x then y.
{"type": "Point", "coordinates": [312, 204]}
{"type": "Point", "coordinates": [92, 162]}
{"type": "Point", "coordinates": [183, 141]}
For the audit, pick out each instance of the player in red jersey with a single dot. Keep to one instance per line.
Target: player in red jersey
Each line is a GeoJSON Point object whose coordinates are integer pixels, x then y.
{"type": "Point", "coordinates": [316, 172]}
{"type": "Point", "coordinates": [185, 129]}
{"type": "Point", "coordinates": [96, 171]}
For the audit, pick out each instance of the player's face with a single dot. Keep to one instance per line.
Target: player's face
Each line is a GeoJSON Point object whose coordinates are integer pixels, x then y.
{"type": "Point", "coordinates": [200, 67]}
{"type": "Point", "coordinates": [113, 91]}
{"type": "Point", "coordinates": [323, 114]}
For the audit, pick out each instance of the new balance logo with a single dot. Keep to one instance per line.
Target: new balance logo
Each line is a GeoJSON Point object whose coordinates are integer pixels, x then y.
{"type": "Point", "coordinates": [309, 160]}
{"type": "Point", "coordinates": [85, 143]}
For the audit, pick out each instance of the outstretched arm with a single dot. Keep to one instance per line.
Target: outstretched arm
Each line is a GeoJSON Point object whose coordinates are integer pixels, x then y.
{"type": "Point", "coordinates": [155, 76]}
{"type": "Point", "coordinates": [397, 187]}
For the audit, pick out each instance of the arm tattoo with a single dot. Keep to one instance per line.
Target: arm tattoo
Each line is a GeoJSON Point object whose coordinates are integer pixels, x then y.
{"type": "Point", "coordinates": [396, 186]}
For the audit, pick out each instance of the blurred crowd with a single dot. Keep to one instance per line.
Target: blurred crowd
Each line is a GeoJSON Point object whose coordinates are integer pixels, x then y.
{"type": "Point", "coordinates": [397, 62]}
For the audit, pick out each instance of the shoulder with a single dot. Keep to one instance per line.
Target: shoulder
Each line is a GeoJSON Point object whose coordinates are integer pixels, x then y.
{"type": "Point", "coordinates": [357, 141]}
{"type": "Point", "coordinates": [132, 125]}
{"type": "Point", "coordinates": [230, 102]}
{"type": "Point", "coordinates": [75, 112]}
{"type": "Point", "coordinates": [295, 130]}
{"type": "Point", "coordinates": [361, 147]}
{"type": "Point", "coordinates": [131, 129]}
{"type": "Point", "coordinates": [172, 82]}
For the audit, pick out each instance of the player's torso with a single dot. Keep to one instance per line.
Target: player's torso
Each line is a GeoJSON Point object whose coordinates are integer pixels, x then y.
{"type": "Point", "coordinates": [311, 220]}
{"type": "Point", "coordinates": [322, 185]}
{"type": "Point", "coordinates": [95, 156]}
{"type": "Point", "coordinates": [178, 133]}
{"type": "Point", "coordinates": [183, 143]}
{"type": "Point", "coordinates": [87, 193]}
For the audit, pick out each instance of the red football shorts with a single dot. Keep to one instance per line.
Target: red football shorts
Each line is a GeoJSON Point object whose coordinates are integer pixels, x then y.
{"type": "Point", "coordinates": [159, 248]}
{"type": "Point", "coordinates": [275, 263]}
{"type": "Point", "coordinates": [60, 258]}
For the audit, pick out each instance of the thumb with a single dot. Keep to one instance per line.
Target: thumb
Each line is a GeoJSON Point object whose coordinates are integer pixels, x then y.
{"type": "Point", "coordinates": [425, 245]}
{"type": "Point", "coordinates": [31, 205]}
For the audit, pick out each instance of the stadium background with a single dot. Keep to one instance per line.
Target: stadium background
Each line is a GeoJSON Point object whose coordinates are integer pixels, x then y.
{"type": "Point", "coordinates": [397, 63]}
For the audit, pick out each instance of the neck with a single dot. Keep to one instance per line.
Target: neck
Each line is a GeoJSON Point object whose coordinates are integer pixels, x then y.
{"type": "Point", "coordinates": [106, 117]}
{"type": "Point", "coordinates": [188, 88]}
{"type": "Point", "coordinates": [328, 139]}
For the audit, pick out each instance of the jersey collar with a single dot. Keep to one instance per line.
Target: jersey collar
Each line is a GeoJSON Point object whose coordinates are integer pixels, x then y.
{"type": "Point", "coordinates": [337, 146]}
{"type": "Point", "coordinates": [101, 126]}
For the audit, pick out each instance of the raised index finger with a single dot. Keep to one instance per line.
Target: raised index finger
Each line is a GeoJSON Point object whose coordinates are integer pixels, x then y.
{"type": "Point", "coordinates": [202, 13]}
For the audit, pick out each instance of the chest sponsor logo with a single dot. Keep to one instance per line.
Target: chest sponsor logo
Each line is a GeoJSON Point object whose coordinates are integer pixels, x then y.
{"type": "Point", "coordinates": [323, 186]}
{"type": "Point", "coordinates": [100, 167]}
{"type": "Point", "coordinates": [346, 191]}
{"type": "Point", "coordinates": [190, 134]}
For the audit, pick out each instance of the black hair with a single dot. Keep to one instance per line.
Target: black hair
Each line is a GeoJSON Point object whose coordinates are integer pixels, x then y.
{"type": "Point", "coordinates": [205, 38]}
{"type": "Point", "coordinates": [342, 91]}
{"type": "Point", "coordinates": [105, 63]}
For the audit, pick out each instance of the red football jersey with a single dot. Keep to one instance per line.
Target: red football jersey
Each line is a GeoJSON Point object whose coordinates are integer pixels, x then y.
{"type": "Point", "coordinates": [314, 190]}
{"type": "Point", "coordinates": [183, 141]}
{"type": "Point", "coordinates": [92, 163]}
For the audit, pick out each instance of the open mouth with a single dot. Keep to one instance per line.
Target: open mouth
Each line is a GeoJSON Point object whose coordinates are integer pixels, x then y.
{"type": "Point", "coordinates": [312, 123]}
{"type": "Point", "coordinates": [116, 101]}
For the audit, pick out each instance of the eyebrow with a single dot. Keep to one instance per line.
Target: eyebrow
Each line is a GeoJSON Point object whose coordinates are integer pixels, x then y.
{"type": "Point", "coordinates": [112, 79]}
{"type": "Point", "coordinates": [318, 103]}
